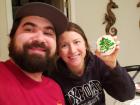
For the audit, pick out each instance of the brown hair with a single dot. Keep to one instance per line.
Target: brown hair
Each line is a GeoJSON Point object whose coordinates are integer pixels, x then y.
{"type": "Point", "coordinates": [76, 28]}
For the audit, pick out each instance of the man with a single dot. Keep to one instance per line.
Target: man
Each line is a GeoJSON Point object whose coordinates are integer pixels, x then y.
{"type": "Point", "coordinates": [32, 47]}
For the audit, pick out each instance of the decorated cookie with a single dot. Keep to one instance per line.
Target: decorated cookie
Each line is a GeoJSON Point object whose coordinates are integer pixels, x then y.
{"type": "Point", "coordinates": [106, 44]}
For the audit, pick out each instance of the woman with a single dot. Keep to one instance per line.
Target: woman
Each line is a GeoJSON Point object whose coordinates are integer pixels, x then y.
{"type": "Point", "coordinates": [83, 76]}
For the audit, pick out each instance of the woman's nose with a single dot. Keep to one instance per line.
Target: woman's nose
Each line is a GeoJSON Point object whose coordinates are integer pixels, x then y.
{"type": "Point", "coordinates": [72, 49]}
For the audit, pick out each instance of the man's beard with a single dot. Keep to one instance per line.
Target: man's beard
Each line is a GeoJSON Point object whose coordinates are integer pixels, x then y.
{"type": "Point", "coordinates": [32, 63]}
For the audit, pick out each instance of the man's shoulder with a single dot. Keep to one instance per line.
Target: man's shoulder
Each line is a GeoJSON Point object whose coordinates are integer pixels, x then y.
{"type": "Point", "coordinates": [2, 66]}
{"type": "Point", "coordinates": [51, 82]}
{"type": "Point", "coordinates": [5, 74]}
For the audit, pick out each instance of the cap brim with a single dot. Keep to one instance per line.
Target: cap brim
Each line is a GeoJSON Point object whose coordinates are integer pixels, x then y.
{"type": "Point", "coordinates": [54, 15]}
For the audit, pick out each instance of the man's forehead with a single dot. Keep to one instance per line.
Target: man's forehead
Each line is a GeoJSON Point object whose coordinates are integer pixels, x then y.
{"type": "Point", "coordinates": [36, 20]}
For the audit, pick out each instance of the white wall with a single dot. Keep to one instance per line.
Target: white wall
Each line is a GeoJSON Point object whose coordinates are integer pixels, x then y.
{"type": "Point", "coordinates": [89, 14]}
{"type": "Point", "coordinates": [5, 25]}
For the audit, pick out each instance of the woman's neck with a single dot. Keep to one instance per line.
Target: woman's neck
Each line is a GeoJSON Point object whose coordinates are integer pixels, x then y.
{"type": "Point", "coordinates": [77, 70]}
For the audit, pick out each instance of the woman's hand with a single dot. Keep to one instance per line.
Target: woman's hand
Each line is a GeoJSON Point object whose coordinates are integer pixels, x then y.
{"type": "Point", "coordinates": [110, 60]}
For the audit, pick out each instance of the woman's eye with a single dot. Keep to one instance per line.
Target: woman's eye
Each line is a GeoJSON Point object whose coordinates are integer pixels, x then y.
{"type": "Point", "coordinates": [63, 46]}
{"type": "Point", "coordinates": [77, 42]}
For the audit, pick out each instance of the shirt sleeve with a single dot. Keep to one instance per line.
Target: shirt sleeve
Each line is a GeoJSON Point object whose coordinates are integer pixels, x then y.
{"type": "Point", "coordinates": [118, 83]}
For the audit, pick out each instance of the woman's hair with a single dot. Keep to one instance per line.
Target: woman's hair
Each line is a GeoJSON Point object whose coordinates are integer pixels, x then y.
{"type": "Point", "coordinates": [76, 28]}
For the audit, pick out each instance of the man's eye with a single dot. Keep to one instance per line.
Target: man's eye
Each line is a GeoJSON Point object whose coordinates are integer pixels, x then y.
{"type": "Point", "coordinates": [49, 33]}
{"type": "Point", "coordinates": [28, 29]}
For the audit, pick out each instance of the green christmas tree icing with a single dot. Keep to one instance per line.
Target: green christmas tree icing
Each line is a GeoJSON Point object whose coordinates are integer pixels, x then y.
{"type": "Point", "coordinates": [106, 44]}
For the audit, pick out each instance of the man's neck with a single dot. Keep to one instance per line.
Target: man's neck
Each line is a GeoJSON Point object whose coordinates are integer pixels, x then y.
{"type": "Point", "coordinates": [35, 76]}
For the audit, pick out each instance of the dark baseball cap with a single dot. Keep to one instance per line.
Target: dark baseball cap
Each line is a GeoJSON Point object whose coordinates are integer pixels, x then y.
{"type": "Point", "coordinates": [54, 15]}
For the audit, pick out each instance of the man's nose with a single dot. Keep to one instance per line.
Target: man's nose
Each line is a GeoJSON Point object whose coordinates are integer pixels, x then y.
{"type": "Point", "coordinates": [39, 36]}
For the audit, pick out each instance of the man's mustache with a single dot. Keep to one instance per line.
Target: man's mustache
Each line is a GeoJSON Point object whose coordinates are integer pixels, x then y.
{"type": "Point", "coordinates": [36, 44]}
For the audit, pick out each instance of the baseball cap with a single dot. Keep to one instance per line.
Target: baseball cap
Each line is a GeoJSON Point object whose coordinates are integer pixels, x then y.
{"type": "Point", "coordinates": [54, 15]}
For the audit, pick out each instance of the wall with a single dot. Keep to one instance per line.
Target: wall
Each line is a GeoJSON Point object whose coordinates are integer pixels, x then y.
{"type": "Point", "coordinates": [6, 21]}
{"type": "Point", "coordinates": [89, 14]}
